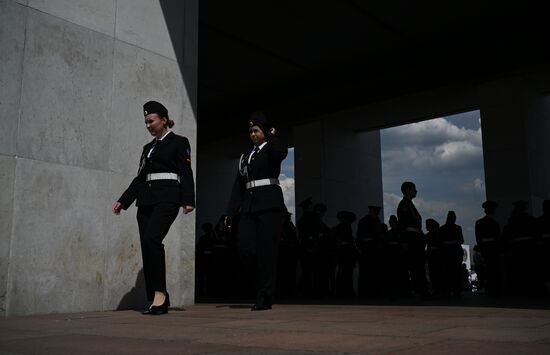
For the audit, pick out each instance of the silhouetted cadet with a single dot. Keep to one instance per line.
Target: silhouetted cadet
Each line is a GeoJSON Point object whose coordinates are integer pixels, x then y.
{"type": "Point", "coordinates": [396, 261]}
{"type": "Point", "coordinates": [289, 250]}
{"type": "Point", "coordinates": [410, 224]}
{"type": "Point", "coordinates": [519, 235]}
{"type": "Point", "coordinates": [490, 244]}
{"type": "Point", "coordinates": [452, 240]}
{"type": "Point", "coordinates": [543, 229]}
{"type": "Point", "coordinates": [347, 253]}
{"type": "Point", "coordinates": [326, 257]}
{"type": "Point", "coordinates": [368, 241]}
{"type": "Point", "coordinates": [226, 262]}
{"type": "Point", "coordinates": [309, 229]}
{"type": "Point", "coordinates": [435, 257]}
{"type": "Point", "coordinates": [205, 261]}
{"type": "Point", "coordinates": [258, 198]}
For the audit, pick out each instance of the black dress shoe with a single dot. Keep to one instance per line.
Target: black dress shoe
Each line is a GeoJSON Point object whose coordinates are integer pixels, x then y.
{"type": "Point", "coordinates": [260, 307]}
{"type": "Point", "coordinates": [158, 310]}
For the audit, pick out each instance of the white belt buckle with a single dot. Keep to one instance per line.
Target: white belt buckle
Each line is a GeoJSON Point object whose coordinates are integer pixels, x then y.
{"type": "Point", "coordinates": [162, 176]}
{"type": "Point", "coordinates": [262, 182]}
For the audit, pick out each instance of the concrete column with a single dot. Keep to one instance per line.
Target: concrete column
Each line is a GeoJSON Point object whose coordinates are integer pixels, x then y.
{"type": "Point", "coordinates": [338, 167]}
{"type": "Point", "coordinates": [216, 174]}
{"type": "Point", "coordinates": [73, 79]}
{"type": "Point", "coordinates": [515, 121]}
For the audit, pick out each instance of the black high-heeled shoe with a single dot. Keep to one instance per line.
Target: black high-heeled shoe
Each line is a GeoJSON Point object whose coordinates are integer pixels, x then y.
{"type": "Point", "coordinates": [158, 310]}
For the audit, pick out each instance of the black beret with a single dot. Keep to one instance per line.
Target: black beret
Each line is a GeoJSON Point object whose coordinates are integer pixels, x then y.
{"type": "Point", "coordinates": [155, 107]}
{"type": "Point", "coordinates": [259, 119]}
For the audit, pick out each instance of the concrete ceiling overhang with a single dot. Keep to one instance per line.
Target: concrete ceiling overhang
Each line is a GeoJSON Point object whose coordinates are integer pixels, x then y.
{"type": "Point", "coordinates": [297, 60]}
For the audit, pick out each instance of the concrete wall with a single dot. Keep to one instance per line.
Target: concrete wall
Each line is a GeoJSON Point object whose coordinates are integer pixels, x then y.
{"type": "Point", "coordinates": [337, 167]}
{"type": "Point", "coordinates": [515, 119]}
{"type": "Point", "coordinates": [73, 79]}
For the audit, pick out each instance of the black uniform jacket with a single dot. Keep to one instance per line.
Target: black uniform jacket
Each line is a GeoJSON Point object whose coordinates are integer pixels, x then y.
{"type": "Point", "coordinates": [487, 231]}
{"type": "Point", "coordinates": [266, 165]}
{"type": "Point", "coordinates": [408, 216]}
{"type": "Point", "coordinates": [170, 155]}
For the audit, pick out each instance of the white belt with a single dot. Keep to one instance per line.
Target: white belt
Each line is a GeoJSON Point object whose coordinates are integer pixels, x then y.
{"type": "Point", "coordinates": [162, 176]}
{"type": "Point", "coordinates": [262, 182]}
{"type": "Point", "coordinates": [412, 229]}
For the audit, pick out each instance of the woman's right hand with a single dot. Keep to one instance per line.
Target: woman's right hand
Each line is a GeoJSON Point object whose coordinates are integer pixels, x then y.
{"type": "Point", "coordinates": [227, 222]}
{"type": "Point", "coordinates": [117, 208]}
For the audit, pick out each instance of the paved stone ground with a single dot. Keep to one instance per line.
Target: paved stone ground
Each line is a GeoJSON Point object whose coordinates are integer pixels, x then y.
{"type": "Point", "coordinates": [287, 329]}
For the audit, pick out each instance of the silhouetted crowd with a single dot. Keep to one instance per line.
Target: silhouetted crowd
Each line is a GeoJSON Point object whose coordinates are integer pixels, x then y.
{"type": "Point", "coordinates": [513, 260]}
{"type": "Point", "coordinates": [385, 261]}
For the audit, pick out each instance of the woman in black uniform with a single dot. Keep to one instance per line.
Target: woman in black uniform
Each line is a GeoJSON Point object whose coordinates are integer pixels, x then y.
{"type": "Point", "coordinates": [258, 198]}
{"type": "Point", "coordinates": [164, 183]}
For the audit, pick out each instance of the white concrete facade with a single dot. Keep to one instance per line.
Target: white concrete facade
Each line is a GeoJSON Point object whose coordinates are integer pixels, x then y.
{"type": "Point", "coordinates": [338, 167]}
{"type": "Point", "coordinates": [73, 80]}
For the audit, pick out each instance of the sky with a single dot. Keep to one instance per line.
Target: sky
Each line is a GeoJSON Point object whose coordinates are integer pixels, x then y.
{"type": "Point", "coordinates": [287, 182]}
{"type": "Point", "coordinates": [443, 157]}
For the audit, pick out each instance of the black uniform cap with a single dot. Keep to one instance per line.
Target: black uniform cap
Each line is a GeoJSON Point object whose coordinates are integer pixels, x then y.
{"type": "Point", "coordinates": [320, 207]}
{"type": "Point", "coordinates": [259, 119]}
{"type": "Point", "coordinates": [489, 205]}
{"type": "Point", "coordinates": [306, 203]}
{"type": "Point", "coordinates": [346, 216]}
{"type": "Point", "coordinates": [155, 107]}
{"type": "Point", "coordinates": [520, 205]}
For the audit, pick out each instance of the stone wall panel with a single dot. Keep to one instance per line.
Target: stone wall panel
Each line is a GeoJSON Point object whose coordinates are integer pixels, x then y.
{"type": "Point", "coordinates": [66, 94]}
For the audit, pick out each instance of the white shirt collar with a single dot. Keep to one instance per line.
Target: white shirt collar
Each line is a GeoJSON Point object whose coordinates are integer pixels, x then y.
{"type": "Point", "coordinates": [261, 146]}
{"type": "Point", "coordinates": [161, 138]}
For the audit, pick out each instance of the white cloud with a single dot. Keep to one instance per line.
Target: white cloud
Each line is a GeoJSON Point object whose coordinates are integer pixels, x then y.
{"type": "Point", "coordinates": [435, 143]}
{"type": "Point", "coordinates": [434, 131]}
{"type": "Point", "coordinates": [476, 185]}
{"type": "Point", "coordinates": [287, 185]}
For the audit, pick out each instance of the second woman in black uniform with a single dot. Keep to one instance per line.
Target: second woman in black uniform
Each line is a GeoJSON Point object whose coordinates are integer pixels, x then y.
{"type": "Point", "coordinates": [163, 185]}
{"type": "Point", "coordinates": [258, 198]}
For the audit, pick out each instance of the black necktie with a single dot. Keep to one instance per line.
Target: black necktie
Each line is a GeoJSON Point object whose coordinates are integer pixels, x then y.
{"type": "Point", "coordinates": [146, 156]}
{"type": "Point", "coordinates": [254, 153]}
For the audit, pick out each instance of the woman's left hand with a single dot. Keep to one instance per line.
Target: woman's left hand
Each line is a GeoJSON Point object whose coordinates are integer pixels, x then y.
{"type": "Point", "coordinates": [187, 209]}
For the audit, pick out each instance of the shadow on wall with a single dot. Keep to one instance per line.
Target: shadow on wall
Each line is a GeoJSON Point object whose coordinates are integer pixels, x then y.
{"type": "Point", "coordinates": [182, 21]}
{"type": "Point", "coordinates": [136, 298]}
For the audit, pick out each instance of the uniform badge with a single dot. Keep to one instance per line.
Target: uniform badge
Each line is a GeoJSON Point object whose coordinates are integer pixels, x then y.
{"type": "Point", "coordinates": [145, 112]}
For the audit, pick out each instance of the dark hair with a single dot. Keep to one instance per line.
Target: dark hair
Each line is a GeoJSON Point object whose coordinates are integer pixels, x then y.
{"type": "Point", "coordinates": [169, 122]}
{"type": "Point", "coordinates": [407, 185]}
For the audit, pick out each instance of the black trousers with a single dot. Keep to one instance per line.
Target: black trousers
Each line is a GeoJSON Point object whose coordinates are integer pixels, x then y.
{"type": "Point", "coordinates": [258, 244]}
{"type": "Point", "coordinates": [154, 222]}
{"type": "Point", "coordinates": [417, 263]}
